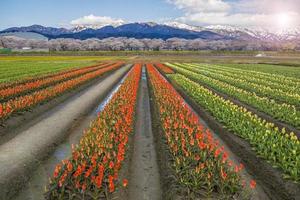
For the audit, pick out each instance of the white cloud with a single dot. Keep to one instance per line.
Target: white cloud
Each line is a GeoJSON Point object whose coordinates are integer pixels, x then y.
{"type": "Point", "coordinates": [268, 6]}
{"type": "Point", "coordinates": [241, 19]}
{"type": "Point", "coordinates": [99, 21]}
{"type": "Point", "coordinates": [241, 13]}
{"type": "Point", "coordinates": [194, 6]}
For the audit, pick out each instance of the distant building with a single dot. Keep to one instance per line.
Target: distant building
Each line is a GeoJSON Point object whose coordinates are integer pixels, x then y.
{"type": "Point", "coordinates": [26, 48]}
{"type": "Point", "coordinates": [29, 49]}
{"type": "Point", "coordinates": [260, 55]}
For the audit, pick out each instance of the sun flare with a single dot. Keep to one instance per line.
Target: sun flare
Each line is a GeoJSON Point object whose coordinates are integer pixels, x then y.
{"type": "Point", "coordinates": [283, 20]}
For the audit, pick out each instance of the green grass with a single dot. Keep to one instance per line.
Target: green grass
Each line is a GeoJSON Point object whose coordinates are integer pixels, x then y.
{"type": "Point", "coordinates": [5, 51]}
{"type": "Point", "coordinates": [13, 68]}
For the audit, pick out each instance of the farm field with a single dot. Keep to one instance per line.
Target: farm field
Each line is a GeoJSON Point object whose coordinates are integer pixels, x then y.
{"type": "Point", "coordinates": [20, 67]}
{"type": "Point", "coordinates": [119, 127]}
{"type": "Point", "coordinates": [278, 69]}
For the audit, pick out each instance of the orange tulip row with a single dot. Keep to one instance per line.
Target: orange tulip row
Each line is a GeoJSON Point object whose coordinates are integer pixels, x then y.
{"type": "Point", "coordinates": [30, 100]}
{"type": "Point", "coordinates": [92, 171]}
{"type": "Point", "coordinates": [42, 76]}
{"type": "Point", "coordinates": [165, 69]}
{"type": "Point", "coordinates": [19, 89]}
{"type": "Point", "coordinates": [199, 161]}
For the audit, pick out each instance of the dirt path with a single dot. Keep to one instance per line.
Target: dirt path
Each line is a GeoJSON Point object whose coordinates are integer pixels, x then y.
{"type": "Point", "coordinates": [35, 187]}
{"type": "Point", "coordinates": [22, 154]}
{"type": "Point", "coordinates": [144, 181]}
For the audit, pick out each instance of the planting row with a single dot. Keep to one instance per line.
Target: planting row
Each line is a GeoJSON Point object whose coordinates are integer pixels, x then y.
{"type": "Point", "coordinates": [17, 90]}
{"type": "Point", "coordinates": [200, 164]}
{"type": "Point", "coordinates": [280, 74]}
{"type": "Point", "coordinates": [284, 92]}
{"type": "Point", "coordinates": [276, 146]}
{"type": "Point", "coordinates": [247, 76]}
{"type": "Point", "coordinates": [25, 102]}
{"type": "Point", "coordinates": [239, 82]}
{"type": "Point", "coordinates": [19, 70]}
{"type": "Point", "coordinates": [283, 112]}
{"type": "Point", "coordinates": [93, 169]}
{"type": "Point", "coordinates": [39, 77]}
{"type": "Point", "coordinates": [163, 68]}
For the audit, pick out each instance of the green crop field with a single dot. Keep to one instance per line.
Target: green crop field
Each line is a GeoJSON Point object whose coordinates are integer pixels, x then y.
{"type": "Point", "coordinates": [19, 67]}
{"type": "Point", "coordinates": [293, 71]}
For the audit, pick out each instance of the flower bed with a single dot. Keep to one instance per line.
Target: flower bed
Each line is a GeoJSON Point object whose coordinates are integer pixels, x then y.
{"type": "Point", "coordinates": [25, 102]}
{"type": "Point", "coordinates": [240, 82]}
{"type": "Point", "coordinates": [276, 146]}
{"type": "Point", "coordinates": [284, 112]}
{"type": "Point", "coordinates": [92, 171]}
{"type": "Point", "coordinates": [201, 165]}
{"type": "Point", "coordinates": [164, 69]}
{"type": "Point", "coordinates": [17, 90]}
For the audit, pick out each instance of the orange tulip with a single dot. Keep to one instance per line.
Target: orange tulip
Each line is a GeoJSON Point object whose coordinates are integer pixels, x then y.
{"type": "Point", "coordinates": [125, 182]}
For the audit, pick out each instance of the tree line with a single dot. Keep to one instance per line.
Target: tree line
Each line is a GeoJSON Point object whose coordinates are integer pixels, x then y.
{"type": "Point", "coordinates": [116, 44]}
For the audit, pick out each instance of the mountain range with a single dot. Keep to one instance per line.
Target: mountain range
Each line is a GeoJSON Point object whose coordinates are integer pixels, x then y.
{"type": "Point", "coordinates": [161, 31]}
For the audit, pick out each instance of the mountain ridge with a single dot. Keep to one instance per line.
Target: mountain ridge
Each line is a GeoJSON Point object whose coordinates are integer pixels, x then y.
{"type": "Point", "coordinates": [164, 31]}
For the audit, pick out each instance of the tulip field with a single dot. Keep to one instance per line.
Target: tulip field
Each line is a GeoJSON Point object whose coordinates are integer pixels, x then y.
{"type": "Point", "coordinates": [96, 161]}
{"type": "Point", "coordinates": [26, 101]}
{"type": "Point", "coordinates": [218, 132]}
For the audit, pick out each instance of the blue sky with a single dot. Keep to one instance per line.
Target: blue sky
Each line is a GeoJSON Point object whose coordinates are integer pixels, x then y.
{"type": "Point", "coordinates": [61, 12]}
{"type": "Point", "coordinates": [68, 13]}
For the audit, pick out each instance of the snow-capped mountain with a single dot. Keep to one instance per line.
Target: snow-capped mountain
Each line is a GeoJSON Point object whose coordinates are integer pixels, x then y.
{"type": "Point", "coordinates": [257, 32]}
{"type": "Point", "coordinates": [80, 28]}
{"type": "Point", "coordinates": [184, 26]}
{"type": "Point", "coordinates": [38, 29]}
{"type": "Point", "coordinates": [244, 33]}
{"type": "Point", "coordinates": [163, 31]}
{"type": "Point", "coordinates": [148, 30]}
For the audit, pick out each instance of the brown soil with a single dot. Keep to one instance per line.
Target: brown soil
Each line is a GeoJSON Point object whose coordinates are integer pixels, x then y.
{"type": "Point", "coordinates": [35, 187]}
{"type": "Point", "coordinates": [144, 180]}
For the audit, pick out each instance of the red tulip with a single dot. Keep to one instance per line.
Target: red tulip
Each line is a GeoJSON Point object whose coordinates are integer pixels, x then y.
{"type": "Point", "coordinates": [125, 182]}
{"type": "Point", "coordinates": [252, 184]}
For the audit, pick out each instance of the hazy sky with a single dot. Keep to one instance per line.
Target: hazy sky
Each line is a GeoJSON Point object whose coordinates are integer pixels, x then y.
{"type": "Point", "coordinates": [68, 13]}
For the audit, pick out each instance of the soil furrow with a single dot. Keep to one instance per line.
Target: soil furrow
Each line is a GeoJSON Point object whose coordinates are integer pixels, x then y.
{"type": "Point", "coordinates": [144, 181]}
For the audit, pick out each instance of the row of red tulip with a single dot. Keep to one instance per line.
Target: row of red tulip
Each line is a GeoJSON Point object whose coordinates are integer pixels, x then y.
{"type": "Point", "coordinates": [199, 161]}
{"type": "Point", "coordinates": [17, 90]}
{"type": "Point", "coordinates": [92, 171]}
{"type": "Point", "coordinates": [40, 77]}
{"type": "Point", "coordinates": [27, 101]}
{"type": "Point", "coordinates": [163, 68]}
